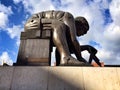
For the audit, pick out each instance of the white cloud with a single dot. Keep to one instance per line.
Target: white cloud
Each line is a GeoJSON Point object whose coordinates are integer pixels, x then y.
{"type": "Point", "coordinates": [86, 55]}
{"type": "Point", "coordinates": [34, 6]}
{"type": "Point", "coordinates": [112, 33]}
{"type": "Point", "coordinates": [4, 13]}
{"type": "Point", "coordinates": [115, 11]}
{"type": "Point", "coordinates": [6, 10]}
{"type": "Point", "coordinates": [110, 39]}
{"type": "Point", "coordinates": [14, 32]}
{"type": "Point", "coordinates": [3, 20]}
{"type": "Point", "coordinates": [5, 58]}
{"type": "Point", "coordinates": [17, 1]}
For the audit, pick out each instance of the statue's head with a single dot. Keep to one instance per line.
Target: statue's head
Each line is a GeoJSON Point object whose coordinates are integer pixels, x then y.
{"type": "Point", "coordinates": [82, 25]}
{"type": "Point", "coordinates": [33, 23]}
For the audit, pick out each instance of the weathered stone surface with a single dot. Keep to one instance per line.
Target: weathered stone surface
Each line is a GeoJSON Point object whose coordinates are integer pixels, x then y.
{"type": "Point", "coordinates": [111, 79]}
{"type": "Point", "coordinates": [30, 78]}
{"type": "Point", "coordinates": [93, 78]}
{"type": "Point", "coordinates": [35, 48]}
{"type": "Point", "coordinates": [36, 51]}
{"type": "Point", "coordinates": [118, 75]}
{"type": "Point", "coordinates": [59, 78]}
{"type": "Point", "coordinates": [65, 78]}
{"type": "Point", "coordinates": [6, 74]}
{"type": "Point", "coordinates": [33, 34]}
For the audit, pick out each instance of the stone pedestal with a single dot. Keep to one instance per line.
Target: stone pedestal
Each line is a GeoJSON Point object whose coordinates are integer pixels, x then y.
{"type": "Point", "coordinates": [59, 78]}
{"type": "Point", "coordinates": [35, 48]}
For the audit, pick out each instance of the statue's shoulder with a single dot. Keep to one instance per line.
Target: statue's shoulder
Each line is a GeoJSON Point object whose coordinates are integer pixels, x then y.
{"type": "Point", "coordinates": [52, 14]}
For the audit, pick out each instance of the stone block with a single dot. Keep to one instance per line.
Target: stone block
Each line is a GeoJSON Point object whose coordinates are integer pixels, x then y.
{"type": "Point", "coordinates": [30, 78]}
{"type": "Point", "coordinates": [36, 51]}
{"type": "Point", "coordinates": [118, 74]}
{"type": "Point", "coordinates": [93, 79]}
{"type": "Point", "coordinates": [65, 78]}
{"type": "Point", "coordinates": [110, 79]}
{"type": "Point", "coordinates": [59, 78]}
{"type": "Point", "coordinates": [6, 74]}
{"type": "Point", "coordinates": [33, 34]}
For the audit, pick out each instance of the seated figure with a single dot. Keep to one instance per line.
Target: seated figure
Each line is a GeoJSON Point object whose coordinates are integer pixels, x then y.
{"type": "Point", "coordinates": [63, 27]}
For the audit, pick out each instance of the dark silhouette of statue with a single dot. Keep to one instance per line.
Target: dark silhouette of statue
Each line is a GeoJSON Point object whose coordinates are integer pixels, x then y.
{"type": "Point", "coordinates": [60, 23]}
{"type": "Point", "coordinates": [89, 48]}
{"type": "Point", "coordinates": [64, 29]}
{"type": "Point", "coordinates": [92, 52]}
{"type": "Point", "coordinates": [82, 27]}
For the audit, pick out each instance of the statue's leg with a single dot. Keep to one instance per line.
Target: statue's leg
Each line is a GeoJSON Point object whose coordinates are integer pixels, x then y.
{"type": "Point", "coordinates": [59, 39]}
{"type": "Point", "coordinates": [70, 22]}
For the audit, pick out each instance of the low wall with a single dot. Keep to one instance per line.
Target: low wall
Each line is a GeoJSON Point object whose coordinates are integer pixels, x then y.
{"type": "Point", "coordinates": [59, 78]}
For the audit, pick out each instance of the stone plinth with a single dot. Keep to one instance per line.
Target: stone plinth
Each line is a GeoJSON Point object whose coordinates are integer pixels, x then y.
{"type": "Point", "coordinates": [59, 78]}
{"type": "Point", "coordinates": [34, 52]}
{"type": "Point", "coordinates": [35, 48]}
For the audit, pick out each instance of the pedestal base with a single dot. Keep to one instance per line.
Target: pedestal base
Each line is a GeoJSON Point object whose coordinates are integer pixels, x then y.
{"type": "Point", "coordinates": [59, 78]}
{"type": "Point", "coordinates": [34, 52]}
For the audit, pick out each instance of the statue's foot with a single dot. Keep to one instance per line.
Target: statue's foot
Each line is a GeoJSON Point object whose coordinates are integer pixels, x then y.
{"type": "Point", "coordinates": [70, 61]}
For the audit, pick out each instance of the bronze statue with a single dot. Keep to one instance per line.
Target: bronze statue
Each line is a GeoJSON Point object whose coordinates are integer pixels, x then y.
{"type": "Point", "coordinates": [64, 31]}
{"type": "Point", "coordinates": [89, 48]}
{"type": "Point", "coordinates": [60, 23]}
{"type": "Point", "coordinates": [81, 28]}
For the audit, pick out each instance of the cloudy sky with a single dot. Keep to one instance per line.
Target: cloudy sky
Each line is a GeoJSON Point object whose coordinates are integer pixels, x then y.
{"type": "Point", "coordinates": [103, 17]}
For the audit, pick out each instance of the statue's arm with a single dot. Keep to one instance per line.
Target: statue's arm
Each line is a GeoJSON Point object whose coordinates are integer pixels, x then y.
{"type": "Point", "coordinates": [37, 21]}
{"type": "Point", "coordinates": [33, 23]}
{"type": "Point", "coordinates": [69, 21]}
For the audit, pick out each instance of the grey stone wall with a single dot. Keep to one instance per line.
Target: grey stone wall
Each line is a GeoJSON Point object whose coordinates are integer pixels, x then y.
{"type": "Point", "coordinates": [59, 78]}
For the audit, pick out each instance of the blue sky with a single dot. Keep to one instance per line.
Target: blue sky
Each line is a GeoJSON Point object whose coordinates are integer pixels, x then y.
{"type": "Point", "coordinates": [102, 15]}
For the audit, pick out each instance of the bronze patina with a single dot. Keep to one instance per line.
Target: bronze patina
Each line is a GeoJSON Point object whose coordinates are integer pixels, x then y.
{"type": "Point", "coordinates": [65, 28]}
